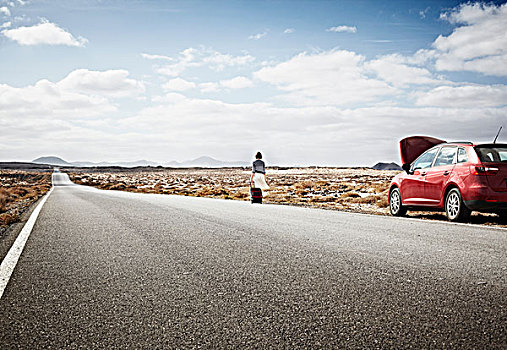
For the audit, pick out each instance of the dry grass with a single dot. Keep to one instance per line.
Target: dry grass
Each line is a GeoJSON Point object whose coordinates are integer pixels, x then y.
{"type": "Point", "coordinates": [19, 189]}
{"type": "Point", "coordinates": [4, 196]}
{"type": "Point", "coordinates": [7, 219]}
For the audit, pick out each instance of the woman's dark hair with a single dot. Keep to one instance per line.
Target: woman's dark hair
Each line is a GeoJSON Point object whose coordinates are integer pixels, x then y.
{"type": "Point", "coordinates": [258, 155]}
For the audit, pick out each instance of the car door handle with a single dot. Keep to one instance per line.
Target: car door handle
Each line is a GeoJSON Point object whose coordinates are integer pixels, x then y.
{"type": "Point", "coordinates": [423, 174]}
{"type": "Point", "coordinates": [446, 173]}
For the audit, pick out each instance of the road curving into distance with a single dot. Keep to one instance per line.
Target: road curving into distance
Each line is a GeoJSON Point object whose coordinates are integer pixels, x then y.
{"type": "Point", "coordinates": [108, 269]}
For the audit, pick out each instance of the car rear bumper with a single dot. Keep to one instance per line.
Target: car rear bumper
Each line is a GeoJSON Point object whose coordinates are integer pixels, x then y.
{"type": "Point", "coordinates": [488, 205]}
{"type": "Point", "coordinates": [484, 198]}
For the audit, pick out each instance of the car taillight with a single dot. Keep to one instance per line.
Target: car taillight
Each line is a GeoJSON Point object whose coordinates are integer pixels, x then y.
{"type": "Point", "coordinates": [483, 170]}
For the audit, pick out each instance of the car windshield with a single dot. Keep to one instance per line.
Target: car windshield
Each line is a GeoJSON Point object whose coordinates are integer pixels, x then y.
{"type": "Point", "coordinates": [492, 154]}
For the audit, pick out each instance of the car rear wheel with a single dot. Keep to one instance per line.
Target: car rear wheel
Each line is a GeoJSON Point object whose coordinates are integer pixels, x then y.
{"type": "Point", "coordinates": [395, 206]}
{"type": "Point", "coordinates": [455, 209]}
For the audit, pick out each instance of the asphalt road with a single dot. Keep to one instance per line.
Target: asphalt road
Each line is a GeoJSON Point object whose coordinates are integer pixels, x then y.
{"type": "Point", "coordinates": [107, 269]}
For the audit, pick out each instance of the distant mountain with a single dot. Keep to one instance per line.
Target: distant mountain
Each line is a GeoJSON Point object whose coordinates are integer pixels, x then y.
{"type": "Point", "coordinates": [122, 164]}
{"type": "Point", "coordinates": [201, 162]}
{"type": "Point", "coordinates": [206, 162]}
{"type": "Point", "coordinates": [51, 160]}
{"type": "Point", "coordinates": [386, 166]}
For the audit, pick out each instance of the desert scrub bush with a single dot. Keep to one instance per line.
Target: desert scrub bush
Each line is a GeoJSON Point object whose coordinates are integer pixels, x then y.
{"type": "Point", "coordinates": [8, 218]}
{"type": "Point", "coordinates": [303, 185]}
{"type": "Point", "coordinates": [18, 192]}
{"type": "Point", "coordinates": [380, 187]}
{"type": "Point", "coordinates": [240, 195]}
{"type": "Point", "coordinates": [4, 196]}
{"type": "Point", "coordinates": [350, 195]}
{"type": "Point", "coordinates": [383, 202]}
{"type": "Point", "coordinates": [320, 199]}
{"type": "Point", "coordinates": [321, 183]}
{"type": "Point", "coordinates": [118, 187]}
{"type": "Point", "coordinates": [366, 200]}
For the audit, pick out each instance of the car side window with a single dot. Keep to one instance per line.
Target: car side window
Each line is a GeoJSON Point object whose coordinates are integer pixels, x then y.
{"type": "Point", "coordinates": [446, 156]}
{"type": "Point", "coordinates": [425, 160]}
{"type": "Point", "coordinates": [462, 155]}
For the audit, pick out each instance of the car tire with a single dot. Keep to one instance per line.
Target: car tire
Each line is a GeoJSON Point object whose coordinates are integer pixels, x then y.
{"type": "Point", "coordinates": [455, 209]}
{"type": "Point", "coordinates": [395, 206]}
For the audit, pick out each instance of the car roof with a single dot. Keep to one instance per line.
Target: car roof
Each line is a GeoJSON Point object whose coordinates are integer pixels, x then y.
{"type": "Point", "coordinates": [467, 143]}
{"type": "Point", "coordinates": [462, 143]}
{"type": "Point", "coordinates": [491, 145]}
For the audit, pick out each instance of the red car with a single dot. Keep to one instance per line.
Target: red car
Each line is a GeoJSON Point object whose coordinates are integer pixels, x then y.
{"type": "Point", "coordinates": [456, 177]}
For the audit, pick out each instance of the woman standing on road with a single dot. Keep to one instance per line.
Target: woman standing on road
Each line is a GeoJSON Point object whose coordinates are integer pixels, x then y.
{"type": "Point", "coordinates": [258, 178]}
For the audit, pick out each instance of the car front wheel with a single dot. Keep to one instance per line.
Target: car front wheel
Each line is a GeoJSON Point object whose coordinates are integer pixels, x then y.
{"type": "Point", "coordinates": [395, 206]}
{"type": "Point", "coordinates": [455, 209]}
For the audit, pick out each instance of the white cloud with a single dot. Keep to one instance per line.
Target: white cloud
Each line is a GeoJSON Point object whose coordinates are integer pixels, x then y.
{"type": "Point", "coordinates": [289, 31]}
{"type": "Point", "coordinates": [423, 13]}
{"type": "Point", "coordinates": [33, 117]}
{"type": "Point", "coordinates": [342, 29]}
{"type": "Point", "coordinates": [156, 57]}
{"type": "Point", "coordinates": [81, 94]}
{"type": "Point", "coordinates": [114, 83]}
{"type": "Point", "coordinates": [219, 61]}
{"type": "Point", "coordinates": [394, 70]}
{"type": "Point", "coordinates": [421, 57]}
{"type": "Point", "coordinates": [470, 13]}
{"type": "Point", "coordinates": [171, 97]}
{"type": "Point", "coordinates": [178, 84]}
{"type": "Point", "coordinates": [20, 18]}
{"type": "Point", "coordinates": [331, 77]}
{"type": "Point", "coordinates": [237, 83]}
{"type": "Point", "coordinates": [257, 36]}
{"type": "Point", "coordinates": [233, 84]}
{"type": "Point", "coordinates": [479, 44]}
{"type": "Point", "coordinates": [5, 25]}
{"type": "Point", "coordinates": [186, 59]}
{"type": "Point", "coordinates": [467, 96]}
{"type": "Point", "coordinates": [43, 33]}
{"type": "Point", "coordinates": [192, 58]}
{"type": "Point", "coordinates": [309, 135]}
{"type": "Point", "coordinates": [5, 11]}
{"type": "Point", "coordinates": [49, 100]}
{"type": "Point", "coordinates": [209, 87]}
{"type": "Point", "coordinates": [341, 108]}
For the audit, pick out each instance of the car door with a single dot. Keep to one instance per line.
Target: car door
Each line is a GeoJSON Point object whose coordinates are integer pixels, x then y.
{"type": "Point", "coordinates": [412, 185]}
{"type": "Point", "coordinates": [438, 175]}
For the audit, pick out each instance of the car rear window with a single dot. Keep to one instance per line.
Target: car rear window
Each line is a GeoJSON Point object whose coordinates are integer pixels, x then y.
{"type": "Point", "coordinates": [492, 154]}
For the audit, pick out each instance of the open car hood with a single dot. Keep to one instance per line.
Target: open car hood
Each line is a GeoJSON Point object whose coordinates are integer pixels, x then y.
{"type": "Point", "coordinates": [413, 146]}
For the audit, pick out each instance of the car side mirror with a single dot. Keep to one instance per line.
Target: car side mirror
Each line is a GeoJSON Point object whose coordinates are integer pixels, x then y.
{"type": "Point", "coordinates": [406, 167]}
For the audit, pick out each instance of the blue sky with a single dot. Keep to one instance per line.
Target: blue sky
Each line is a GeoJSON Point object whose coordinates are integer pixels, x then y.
{"type": "Point", "coordinates": [306, 82]}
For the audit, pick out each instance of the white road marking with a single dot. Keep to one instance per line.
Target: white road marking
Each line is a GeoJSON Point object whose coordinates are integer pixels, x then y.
{"type": "Point", "coordinates": [12, 257]}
